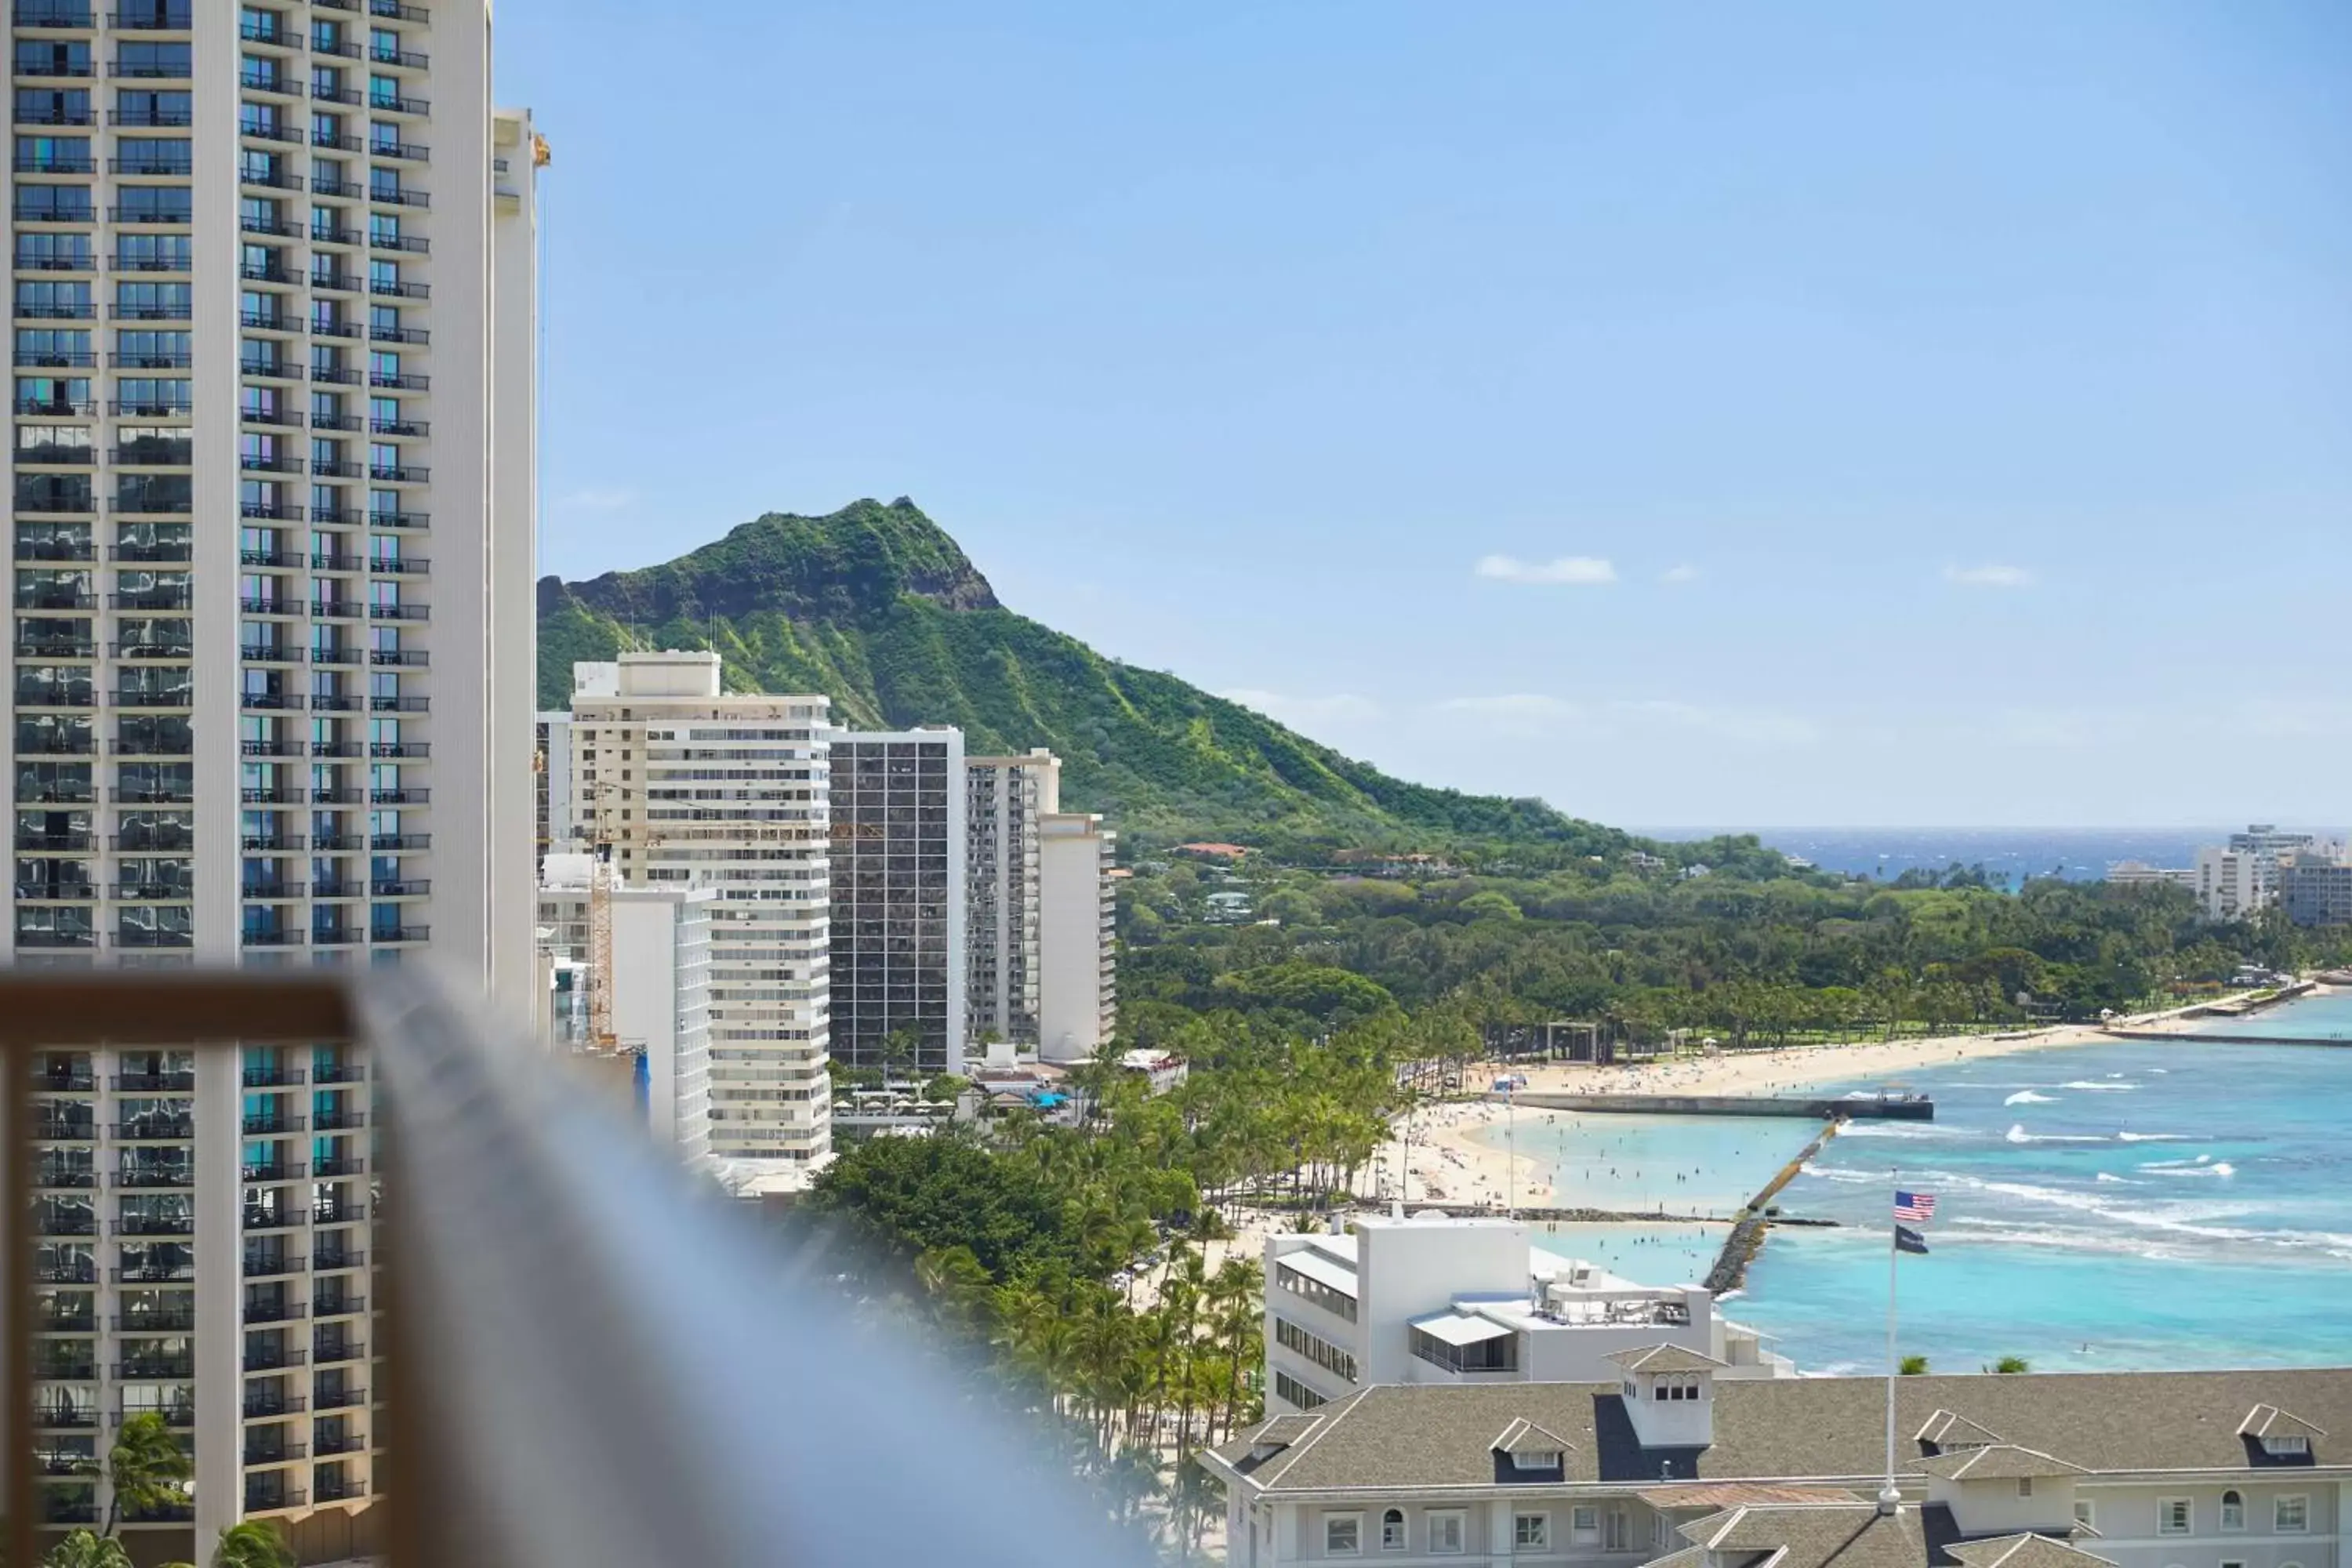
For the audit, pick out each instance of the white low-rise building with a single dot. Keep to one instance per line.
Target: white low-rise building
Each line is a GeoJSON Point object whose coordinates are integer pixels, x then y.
{"type": "Point", "coordinates": [1440, 1299]}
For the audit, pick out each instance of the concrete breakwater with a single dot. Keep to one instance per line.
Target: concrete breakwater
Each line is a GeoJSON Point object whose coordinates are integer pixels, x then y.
{"type": "Point", "coordinates": [1746, 1237]}
{"type": "Point", "coordinates": [1895, 1108]}
{"type": "Point", "coordinates": [2232, 1039]}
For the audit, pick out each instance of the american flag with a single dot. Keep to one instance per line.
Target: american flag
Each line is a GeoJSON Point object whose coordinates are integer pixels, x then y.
{"type": "Point", "coordinates": [1917, 1207]}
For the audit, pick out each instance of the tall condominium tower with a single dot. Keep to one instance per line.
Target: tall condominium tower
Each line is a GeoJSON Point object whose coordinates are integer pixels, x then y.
{"type": "Point", "coordinates": [1078, 994]}
{"type": "Point", "coordinates": [272, 526]}
{"type": "Point", "coordinates": [686, 786]}
{"type": "Point", "coordinates": [899, 900]}
{"type": "Point", "coordinates": [1004, 798]}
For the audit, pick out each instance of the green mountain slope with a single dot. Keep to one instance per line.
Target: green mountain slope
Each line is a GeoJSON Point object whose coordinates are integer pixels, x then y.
{"type": "Point", "coordinates": [877, 608]}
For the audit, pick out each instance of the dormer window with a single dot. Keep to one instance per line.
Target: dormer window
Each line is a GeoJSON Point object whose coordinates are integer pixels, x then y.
{"type": "Point", "coordinates": [1536, 1459]}
{"type": "Point", "coordinates": [2286, 1445]}
{"type": "Point", "coordinates": [1675, 1386]}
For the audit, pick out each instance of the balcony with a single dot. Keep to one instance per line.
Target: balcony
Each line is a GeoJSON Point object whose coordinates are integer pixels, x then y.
{"type": "Point", "coordinates": [156, 1225]}
{"type": "Point", "coordinates": [387, 935]}
{"type": "Point", "coordinates": [405, 657]}
{"type": "Point", "coordinates": [271, 1266]}
{"type": "Point", "coordinates": [280, 1453]}
{"type": "Point", "coordinates": [333, 233]}
{"type": "Point", "coordinates": [154, 892]}
{"type": "Point", "coordinates": [168, 551]}
{"type": "Point", "coordinates": [338, 1121]}
{"type": "Point", "coordinates": [262, 1404]}
{"type": "Point", "coordinates": [340, 1399]}
{"type": "Point", "coordinates": [169, 1176]}
{"type": "Point", "coordinates": [397, 103]}
{"type": "Point", "coordinates": [272, 1124]}
{"type": "Point", "coordinates": [272, 1312]}
{"type": "Point", "coordinates": [402, 382]}
{"type": "Point", "coordinates": [416, 335]}
{"type": "Point", "coordinates": [57, 891]}
{"type": "Point", "coordinates": [277, 1077]}
{"type": "Point", "coordinates": [400, 749]}
{"type": "Point", "coordinates": [273, 1500]}
{"type": "Point", "coordinates": [263, 1171]}
{"type": "Point", "coordinates": [272, 702]}
{"type": "Point", "coordinates": [157, 1321]}
{"type": "Point", "coordinates": [405, 152]}
{"type": "Point", "coordinates": [327, 1442]}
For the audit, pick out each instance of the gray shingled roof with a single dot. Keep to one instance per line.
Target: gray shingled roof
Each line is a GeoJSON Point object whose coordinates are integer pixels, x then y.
{"type": "Point", "coordinates": [1665, 1358]}
{"type": "Point", "coordinates": [1997, 1462]}
{"type": "Point", "coordinates": [1785, 1429]}
{"type": "Point", "coordinates": [2024, 1552]}
{"type": "Point", "coordinates": [1851, 1535]}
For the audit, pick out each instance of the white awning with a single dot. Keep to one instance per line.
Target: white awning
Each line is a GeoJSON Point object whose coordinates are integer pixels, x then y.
{"type": "Point", "coordinates": [1455, 1328]}
{"type": "Point", "coordinates": [1321, 1268]}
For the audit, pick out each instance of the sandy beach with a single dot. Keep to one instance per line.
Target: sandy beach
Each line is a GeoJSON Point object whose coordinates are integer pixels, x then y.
{"type": "Point", "coordinates": [1449, 1162]}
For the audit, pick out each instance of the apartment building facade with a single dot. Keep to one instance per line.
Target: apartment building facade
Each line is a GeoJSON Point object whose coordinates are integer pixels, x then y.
{"type": "Point", "coordinates": [1005, 800]}
{"type": "Point", "coordinates": [899, 899]}
{"type": "Point", "coordinates": [693, 787]}
{"type": "Point", "coordinates": [273, 426]}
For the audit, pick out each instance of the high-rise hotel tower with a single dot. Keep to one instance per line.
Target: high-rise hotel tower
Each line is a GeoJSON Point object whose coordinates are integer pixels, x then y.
{"type": "Point", "coordinates": [271, 474]}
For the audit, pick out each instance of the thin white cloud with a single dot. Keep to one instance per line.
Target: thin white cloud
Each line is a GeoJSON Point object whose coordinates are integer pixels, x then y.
{"type": "Point", "coordinates": [593, 499]}
{"type": "Point", "coordinates": [1303, 713]}
{"type": "Point", "coordinates": [1577, 571]}
{"type": "Point", "coordinates": [1523, 714]}
{"type": "Point", "coordinates": [1990, 575]}
{"type": "Point", "coordinates": [1674, 576]}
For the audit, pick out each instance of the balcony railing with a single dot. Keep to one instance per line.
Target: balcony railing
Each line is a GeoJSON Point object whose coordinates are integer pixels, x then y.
{"type": "Point", "coordinates": [581, 1359]}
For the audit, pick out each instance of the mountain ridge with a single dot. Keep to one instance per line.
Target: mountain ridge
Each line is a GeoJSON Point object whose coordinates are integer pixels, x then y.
{"type": "Point", "coordinates": [879, 608]}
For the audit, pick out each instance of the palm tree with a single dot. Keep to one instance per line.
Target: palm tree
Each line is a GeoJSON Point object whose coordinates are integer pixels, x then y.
{"type": "Point", "coordinates": [1915, 1366]}
{"type": "Point", "coordinates": [252, 1545]}
{"type": "Point", "coordinates": [148, 1467]}
{"type": "Point", "coordinates": [80, 1549]}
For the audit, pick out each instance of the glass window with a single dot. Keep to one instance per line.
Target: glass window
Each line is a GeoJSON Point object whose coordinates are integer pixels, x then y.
{"type": "Point", "coordinates": [2291, 1515]}
{"type": "Point", "coordinates": [1392, 1530]}
{"type": "Point", "coordinates": [2173, 1516]}
{"type": "Point", "coordinates": [1530, 1532]}
{"type": "Point", "coordinates": [2233, 1509]}
{"type": "Point", "coordinates": [1343, 1534]}
{"type": "Point", "coordinates": [1448, 1532]}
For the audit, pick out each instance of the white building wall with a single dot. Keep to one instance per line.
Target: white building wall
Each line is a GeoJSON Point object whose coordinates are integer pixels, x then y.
{"type": "Point", "coordinates": [661, 1005]}
{"type": "Point", "coordinates": [1078, 994]}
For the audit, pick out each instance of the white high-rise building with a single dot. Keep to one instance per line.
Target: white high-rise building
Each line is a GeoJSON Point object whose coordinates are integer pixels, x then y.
{"type": "Point", "coordinates": [273, 547]}
{"type": "Point", "coordinates": [693, 787]}
{"type": "Point", "coordinates": [1005, 800]}
{"type": "Point", "coordinates": [1078, 994]}
{"type": "Point", "coordinates": [660, 992]}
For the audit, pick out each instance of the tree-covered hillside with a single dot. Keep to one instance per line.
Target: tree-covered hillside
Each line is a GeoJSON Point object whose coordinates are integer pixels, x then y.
{"type": "Point", "coordinates": [877, 608]}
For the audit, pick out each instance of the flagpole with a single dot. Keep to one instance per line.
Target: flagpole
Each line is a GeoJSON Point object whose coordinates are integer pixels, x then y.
{"type": "Point", "coordinates": [1889, 1498]}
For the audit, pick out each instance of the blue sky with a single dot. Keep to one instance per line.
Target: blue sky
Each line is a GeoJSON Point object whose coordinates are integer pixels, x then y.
{"type": "Point", "coordinates": [1824, 413]}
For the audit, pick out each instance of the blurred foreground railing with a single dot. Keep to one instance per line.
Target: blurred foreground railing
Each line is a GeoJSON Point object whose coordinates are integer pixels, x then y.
{"type": "Point", "coordinates": [590, 1358]}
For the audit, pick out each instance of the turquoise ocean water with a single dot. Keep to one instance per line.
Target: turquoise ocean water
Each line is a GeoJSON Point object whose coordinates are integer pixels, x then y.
{"type": "Point", "coordinates": [2100, 1207]}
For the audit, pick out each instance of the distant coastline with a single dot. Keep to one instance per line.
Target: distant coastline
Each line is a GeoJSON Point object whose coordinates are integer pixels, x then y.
{"type": "Point", "coordinates": [2009, 855]}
